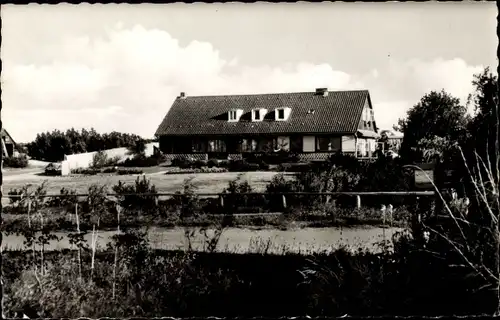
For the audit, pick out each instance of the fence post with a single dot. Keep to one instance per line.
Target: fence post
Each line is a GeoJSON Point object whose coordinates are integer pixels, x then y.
{"type": "Point", "coordinates": [284, 201]}
{"type": "Point", "coordinates": [358, 201]}
{"type": "Point", "coordinates": [390, 208]}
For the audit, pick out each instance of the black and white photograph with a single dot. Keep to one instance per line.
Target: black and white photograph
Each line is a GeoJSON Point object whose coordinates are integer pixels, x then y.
{"type": "Point", "coordinates": [260, 159]}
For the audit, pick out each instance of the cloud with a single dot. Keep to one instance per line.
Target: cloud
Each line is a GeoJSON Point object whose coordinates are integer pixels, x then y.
{"type": "Point", "coordinates": [127, 79]}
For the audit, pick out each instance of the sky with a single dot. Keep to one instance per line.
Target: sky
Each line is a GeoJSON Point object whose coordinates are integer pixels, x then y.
{"type": "Point", "coordinates": [119, 67]}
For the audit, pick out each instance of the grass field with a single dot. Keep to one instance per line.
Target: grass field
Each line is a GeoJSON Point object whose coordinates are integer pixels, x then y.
{"type": "Point", "coordinates": [206, 182]}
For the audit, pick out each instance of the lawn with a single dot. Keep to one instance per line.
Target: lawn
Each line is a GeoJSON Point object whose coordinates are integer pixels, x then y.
{"type": "Point", "coordinates": [206, 182]}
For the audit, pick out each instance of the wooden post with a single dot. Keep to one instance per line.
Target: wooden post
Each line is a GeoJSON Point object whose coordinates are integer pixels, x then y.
{"type": "Point", "coordinates": [358, 201]}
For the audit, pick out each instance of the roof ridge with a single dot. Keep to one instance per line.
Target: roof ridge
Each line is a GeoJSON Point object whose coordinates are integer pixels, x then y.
{"type": "Point", "coordinates": [271, 94]}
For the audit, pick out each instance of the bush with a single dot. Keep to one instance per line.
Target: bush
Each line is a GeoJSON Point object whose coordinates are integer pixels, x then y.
{"type": "Point", "coordinates": [53, 169]}
{"type": "Point", "coordinates": [144, 195]}
{"type": "Point", "coordinates": [68, 199]}
{"type": "Point", "coordinates": [20, 161]}
{"type": "Point", "coordinates": [142, 161]}
{"type": "Point", "coordinates": [242, 166]}
{"type": "Point", "coordinates": [186, 203]}
{"type": "Point", "coordinates": [129, 171]}
{"type": "Point", "coordinates": [110, 170]}
{"type": "Point", "coordinates": [295, 167]}
{"type": "Point", "coordinates": [200, 164]}
{"type": "Point", "coordinates": [212, 163]}
{"type": "Point", "coordinates": [86, 171]}
{"type": "Point", "coordinates": [99, 160]}
{"type": "Point", "coordinates": [201, 170]}
{"type": "Point", "coordinates": [182, 163]}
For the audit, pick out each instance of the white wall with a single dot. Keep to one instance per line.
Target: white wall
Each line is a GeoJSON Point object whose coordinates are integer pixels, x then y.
{"type": "Point", "coordinates": [84, 160]}
{"type": "Point", "coordinates": [308, 143]}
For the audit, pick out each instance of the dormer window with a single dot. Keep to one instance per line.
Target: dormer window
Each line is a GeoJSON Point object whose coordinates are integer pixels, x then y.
{"type": "Point", "coordinates": [258, 114]}
{"type": "Point", "coordinates": [281, 114]}
{"type": "Point", "coordinates": [234, 115]}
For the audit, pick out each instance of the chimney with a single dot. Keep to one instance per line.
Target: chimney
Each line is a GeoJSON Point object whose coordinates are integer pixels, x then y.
{"type": "Point", "coordinates": [183, 95]}
{"type": "Point", "coordinates": [322, 92]}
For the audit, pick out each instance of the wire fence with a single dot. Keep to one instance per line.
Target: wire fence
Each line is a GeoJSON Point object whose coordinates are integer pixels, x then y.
{"type": "Point", "coordinates": [170, 194]}
{"type": "Point", "coordinates": [280, 200]}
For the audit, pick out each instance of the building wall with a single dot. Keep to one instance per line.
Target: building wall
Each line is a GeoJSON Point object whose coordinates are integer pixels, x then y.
{"type": "Point", "coordinates": [295, 143]}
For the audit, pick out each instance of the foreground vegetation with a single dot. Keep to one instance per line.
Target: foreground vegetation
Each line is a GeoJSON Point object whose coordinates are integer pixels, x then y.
{"type": "Point", "coordinates": [129, 279]}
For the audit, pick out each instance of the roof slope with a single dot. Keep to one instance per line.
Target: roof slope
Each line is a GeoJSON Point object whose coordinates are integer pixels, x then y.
{"type": "Point", "coordinates": [5, 134]}
{"type": "Point", "coordinates": [338, 112]}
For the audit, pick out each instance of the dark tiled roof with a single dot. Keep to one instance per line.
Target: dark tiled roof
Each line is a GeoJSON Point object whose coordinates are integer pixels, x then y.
{"type": "Point", "coordinates": [338, 112]}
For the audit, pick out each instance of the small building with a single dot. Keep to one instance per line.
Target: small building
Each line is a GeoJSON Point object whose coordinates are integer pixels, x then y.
{"type": "Point", "coordinates": [312, 125]}
{"type": "Point", "coordinates": [9, 147]}
{"type": "Point", "coordinates": [390, 141]}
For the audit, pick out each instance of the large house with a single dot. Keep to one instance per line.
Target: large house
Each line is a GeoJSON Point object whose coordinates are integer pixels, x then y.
{"type": "Point", "coordinates": [310, 124]}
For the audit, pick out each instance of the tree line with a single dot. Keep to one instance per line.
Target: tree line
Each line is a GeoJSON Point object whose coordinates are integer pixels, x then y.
{"type": "Point", "coordinates": [439, 123]}
{"type": "Point", "coordinates": [52, 146]}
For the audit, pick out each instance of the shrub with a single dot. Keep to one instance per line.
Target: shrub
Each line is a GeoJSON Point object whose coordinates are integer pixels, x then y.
{"type": "Point", "coordinates": [212, 163]}
{"type": "Point", "coordinates": [182, 162]}
{"type": "Point", "coordinates": [53, 169]}
{"type": "Point", "coordinates": [242, 166]}
{"type": "Point", "coordinates": [68, 199]}
{"type": "Point", "coordinates": [295, 167]}
{"type": "Point", "coordinates": [129, 171]}
{"type": "Point", "coordinates": [20, 161]}
{"type": "Point", "coordinates": [235, 197]}
{"type": "Point", "coordinates": [99, 160]}
{"type": "Point", "coordinates": [187, 202]}
{"type": "Point", "coordinates": [110, 170]}
{"type": "Point", "coordinates": [144, 195]}
{"type": "Point", "coordinates": [142, 161]}
{"type": "Point", "coordinates": [200, 164]}
{"type": "Point", "coordinates": [86, 171]}
{"type": "Point", "coordinates": [264, 166]}
{"type": "Point", "coordinates": [202, 170]}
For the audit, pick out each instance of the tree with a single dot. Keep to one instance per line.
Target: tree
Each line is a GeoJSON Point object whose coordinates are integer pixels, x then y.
{"type": "Point", "coordinates": [437, 114]}
{"type": "Point", "coordinates": [469, 239]}
{"type": "Point", "coordinates": [138, 148]}
{"type": "Point", "coordinates": [484, 127]}
{"type": "Point", "coordinates": [52, 146]}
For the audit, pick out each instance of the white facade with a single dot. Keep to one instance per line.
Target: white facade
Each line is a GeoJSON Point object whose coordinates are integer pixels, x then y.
{"type": "Point", "coordinates": [84, 160]}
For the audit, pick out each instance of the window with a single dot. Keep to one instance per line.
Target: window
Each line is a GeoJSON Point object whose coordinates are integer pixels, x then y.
{"type": "Point", "coordinates": [248, 145]}
{"type": "Point", "coordinates": [232, 115]}
{"type": "Point", "coordinates": [256, 114]}
{"type": "Point", "coordinates": [328, 143]}
{"type": "Point", "coordinates": [216, 146]}
{"type": "Point", "coordinates": [198, 146]}
{"type": "Point", "coordinates": [281, 114]}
